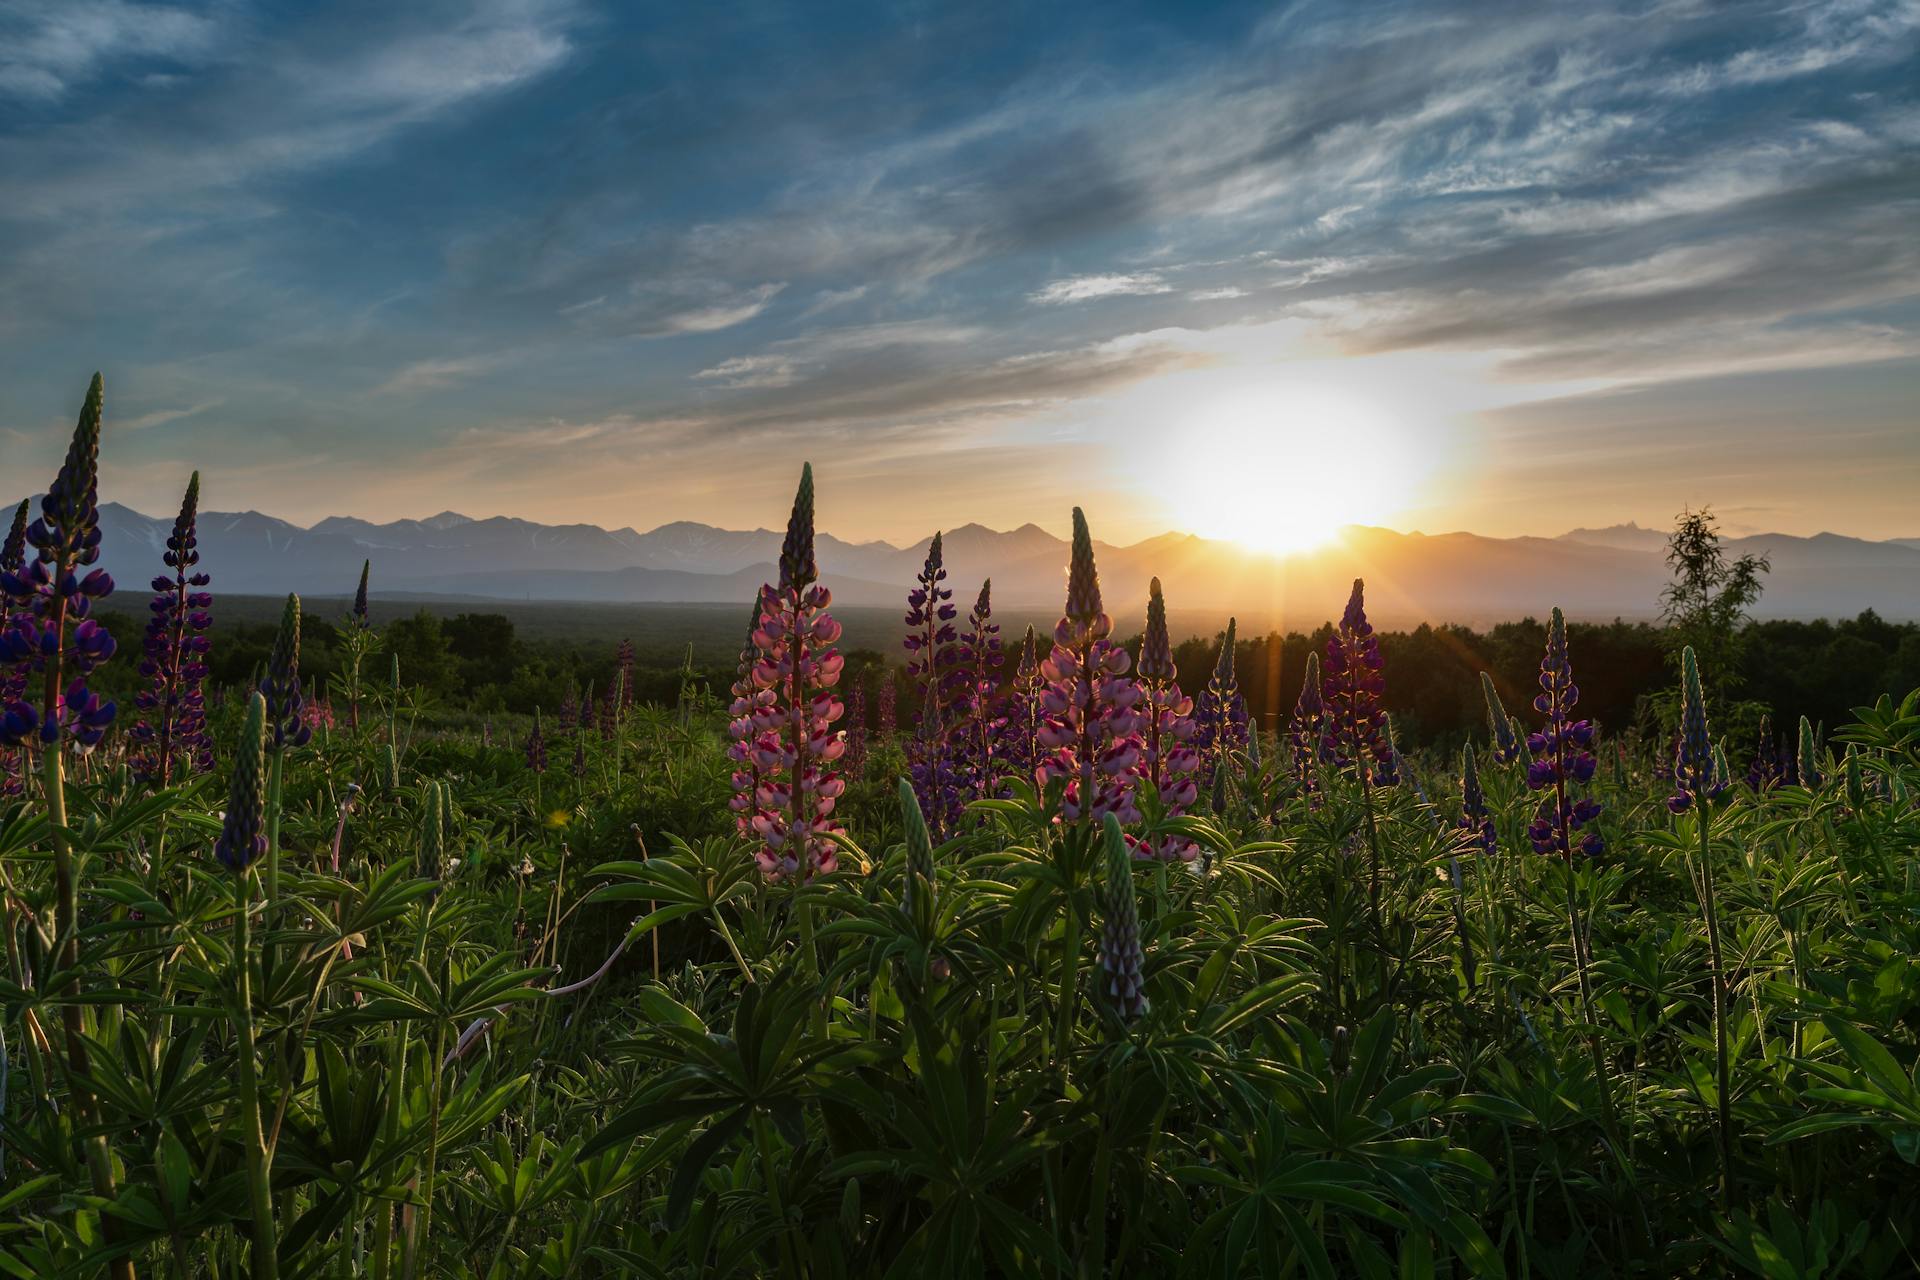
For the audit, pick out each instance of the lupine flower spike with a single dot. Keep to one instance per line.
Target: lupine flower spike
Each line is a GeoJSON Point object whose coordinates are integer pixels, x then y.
{"type": "Point", "coordinates": [47, 596]}
{"type": "Point", "coordinates": [1500, 726]}
{"type": "Point", "coordinates": [13, 675]}
{"type": "Point", "coordinates": [1307, 732]}
{"type": "Point", "coordinates": [1092, 729]}
{"type": "Point", "coordinates": [932, 661]}
{"type": "Point", "coordinates": [1220, 715]}
{"type": "Point", "coordinates": [1352, 686]}
{"type": "Point", "coordinates": [1766, 770]}
{"type": "Point", "coordinates": [1169, 761]}
{"type": "Point", "coordinates": [1474, 818]}
{"type": "Point", "coordinates": [794, 744]}
{"type": "Point", "coordinates": [1697, 774]}
{"type": "Point", "coordinates": [978, 719]}
{"type": "Point", "coordinates": [360, 618]}
{"type": "Point", "coordinates": [173, 732]}
{"type": "Point", "coordinates": [750, 703]}
{"type": "Point", "coordinates": [243, 830]}
{"type": "Point", "coordinates": [1122, 960]}
{"type": "Point", "coordinates": [1808, 757]}
{"type": "Point", "coordinates": [1025, 715]}
{"type": "Point", "coordinates": [1562, 756]}
{"type": "Point", "coordinates": [536, 746]}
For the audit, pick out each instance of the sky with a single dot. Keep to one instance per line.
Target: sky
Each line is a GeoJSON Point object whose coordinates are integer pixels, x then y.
{"type": "Point", "coordinates": [1251, 271]}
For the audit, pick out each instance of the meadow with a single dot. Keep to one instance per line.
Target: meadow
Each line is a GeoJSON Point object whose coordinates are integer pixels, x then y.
{"type": "Point", "coordinates": [1026, 955]}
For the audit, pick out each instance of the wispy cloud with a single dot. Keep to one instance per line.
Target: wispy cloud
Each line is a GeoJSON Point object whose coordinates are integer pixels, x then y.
{"type": "Point", "coordinates": [48, 49]}
{"type": "Point", "coordinates": [1087, 288]}
{"type": "Point", "coordinates": [160, 417]}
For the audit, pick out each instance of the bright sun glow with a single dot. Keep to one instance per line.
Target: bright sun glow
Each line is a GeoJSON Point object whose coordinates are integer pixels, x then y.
{"type": "Point", "coordinates": [1280, 466]}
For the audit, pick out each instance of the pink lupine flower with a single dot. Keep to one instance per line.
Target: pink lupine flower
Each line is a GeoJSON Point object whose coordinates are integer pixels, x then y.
{"type": "Point", "coordinates": [792, 737]}
{"type": "Point", "coordinates": [1170, 760]}
{"type": "Point", "coordinates": [1092, 727]}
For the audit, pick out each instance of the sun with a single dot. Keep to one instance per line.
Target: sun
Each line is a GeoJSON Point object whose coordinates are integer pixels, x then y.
{"type": "Point", "coordinates": [1281, 466]}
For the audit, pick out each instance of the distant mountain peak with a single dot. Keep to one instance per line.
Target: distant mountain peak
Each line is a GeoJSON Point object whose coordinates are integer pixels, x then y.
{"type": "Point", "coordinates": [446, 520]}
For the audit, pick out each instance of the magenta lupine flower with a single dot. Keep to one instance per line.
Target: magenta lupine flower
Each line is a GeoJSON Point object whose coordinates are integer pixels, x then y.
{"type": "Point", "coordinates": [1020, 749]}
{"type": "Point", "coordinates": [1474, 818]}
{"type": "Point", "coordinates": [1092, 729]}
{"type": "Point", "coordinates": [1352, 685]}
{"type": "Point", "coordinates": [794, 742]}
{"type": "Point", "coordinates": [978, 716]}
{"type": "Point", "coordinates": [1170, 761]}
{"type": "Point", "coordinates": [1220, 714]}
{"type": "Point", "coordinates": [172, 732]}
{"type": "Point", "coordinates": [1697, 774]}
{"type": "Point", "coordinates": [932, 662]}
{"type": "Point", "coordinates": [48, 594]}
{"type": "Point", "coordinates": [750, 703]}
{"type": "Point", "coordinates": [1307, 732]}
{"type": "Point", "coordinates": [1562, 756]}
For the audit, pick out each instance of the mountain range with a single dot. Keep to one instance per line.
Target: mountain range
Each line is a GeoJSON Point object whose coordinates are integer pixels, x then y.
{"type": "Point", "coordinates": [1455, 577]}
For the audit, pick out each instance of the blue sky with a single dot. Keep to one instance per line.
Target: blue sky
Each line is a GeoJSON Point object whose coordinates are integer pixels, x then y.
{"type": "Point", "coordinates": [1511, 268]}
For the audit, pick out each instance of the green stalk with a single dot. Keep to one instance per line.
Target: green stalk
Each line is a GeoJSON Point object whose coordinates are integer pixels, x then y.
{"type": "Point", "coordinates": [1722, 1075]}
{"type": "Point", "coordinates": [266, 1265]}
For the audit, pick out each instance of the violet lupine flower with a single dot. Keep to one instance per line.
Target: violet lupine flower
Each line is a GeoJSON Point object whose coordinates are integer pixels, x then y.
{"type": "Point", "coordinates": [1122, 960]}
{"type": "Point", "coordinates": [243, 828]}
{"type": "Point", "coordinates": [47, 594]}
{"type": "Point", "coordinates": [1766, 770]}
{"type": "Point", "coordinates": [174, 730]}
{"type": "Point", "coordinates": [360, 618]}
{"type": "Point", "coordinates": [749, 703]}
{"type": "Point", "coordinates": [580, 753]}
{"type": "Point", "coordinates": [1220, 714]}
{"type": "Point", "coordinates": [1020, 749]}
{"type": "Point", "coordinates": [889, 723]}
{"type": "Point", "coordinates": [1474, 818]}
{"type": "Point", "coordinates": [1169, 761]}
{"type": "Point", "coordinates": [856, 732]}
{"type": "Point", "coordinates": [1351, 686]}
{"type": "Point", "coordinates": [794, 742]}
{"type": "Point", "coordinates": [932, 661]}
{"type": "Point", "coordinates": [978, 720]}
{"type": "Point", "coordinates": [569, 715]}
{"type": "Point", "coordinates": [1092, 730]}
{"type": "Point", "coordinates": [280, 686]}
{"type": "Point", "coordinates": [1562, 757]}
{"type": "Point", "coordinates": [1501, 733]}
{"type": "Point", "coordinates": [1697, 774]}
{"type": "Point", "coordinates": [1307, 733]}
{"type": "Point", "coordinates": [610, 709]}
{"type": "Point", "coordinates": [536, 746]}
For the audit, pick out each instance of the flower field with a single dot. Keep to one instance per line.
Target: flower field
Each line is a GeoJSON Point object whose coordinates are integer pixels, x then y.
{"type": "Point", "coordinates": [1045, 967]}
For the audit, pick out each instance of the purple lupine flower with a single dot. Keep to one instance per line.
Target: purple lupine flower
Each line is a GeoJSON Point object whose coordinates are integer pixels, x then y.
{"type": "Point", "coordinates": [750, 703]}
{"type": "Point", "coordinates": [280, 686]}
{"type": "Point", "coordinates": [1767, 770]}
{"type": "Point", "coordinates": [978, 717]}
{"type": "Point", "coordinates": [1474, 818]}
{"type": "Point", "coordinates": [1562, 756]}
{"type": "Point", "coordinates": [360, 618]}
{"type": "Point", "coordinates": [1697, 774]}
{"type": "Point", "coordinates": [47, 595]}
{"type": "Point", "coordinates": [1092, 730]}
{"type": "Point", "coordinates": [243, 828]}
{"type": "Point", "coordinates": [1169, 761]}
{"type": "Point", "coordinates": [580, 752]}
{"type": "Point", "coordinates": [932, 661]}
{"type": "Point", "coordinates": [1505, 739]}
{"type": "Point", "coordinates": [1352, 685]}
{"type": "Point", "coordinates": [536, 746]}
{"type": "Point", "coordinates": [794, 741]}
{"type": "Point", "coordinates": [1020, 749]}
{"type": "Point", "coordinates": [610, 710]}
{"type": "Point", "coordinates": [1220, 714]}
{"type": "Point", "coordinates": [1307, 732]}
{"type": "Point", "coordinates": [173, 732]}
{"type": "Point", "coordinates": [569, 714]}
